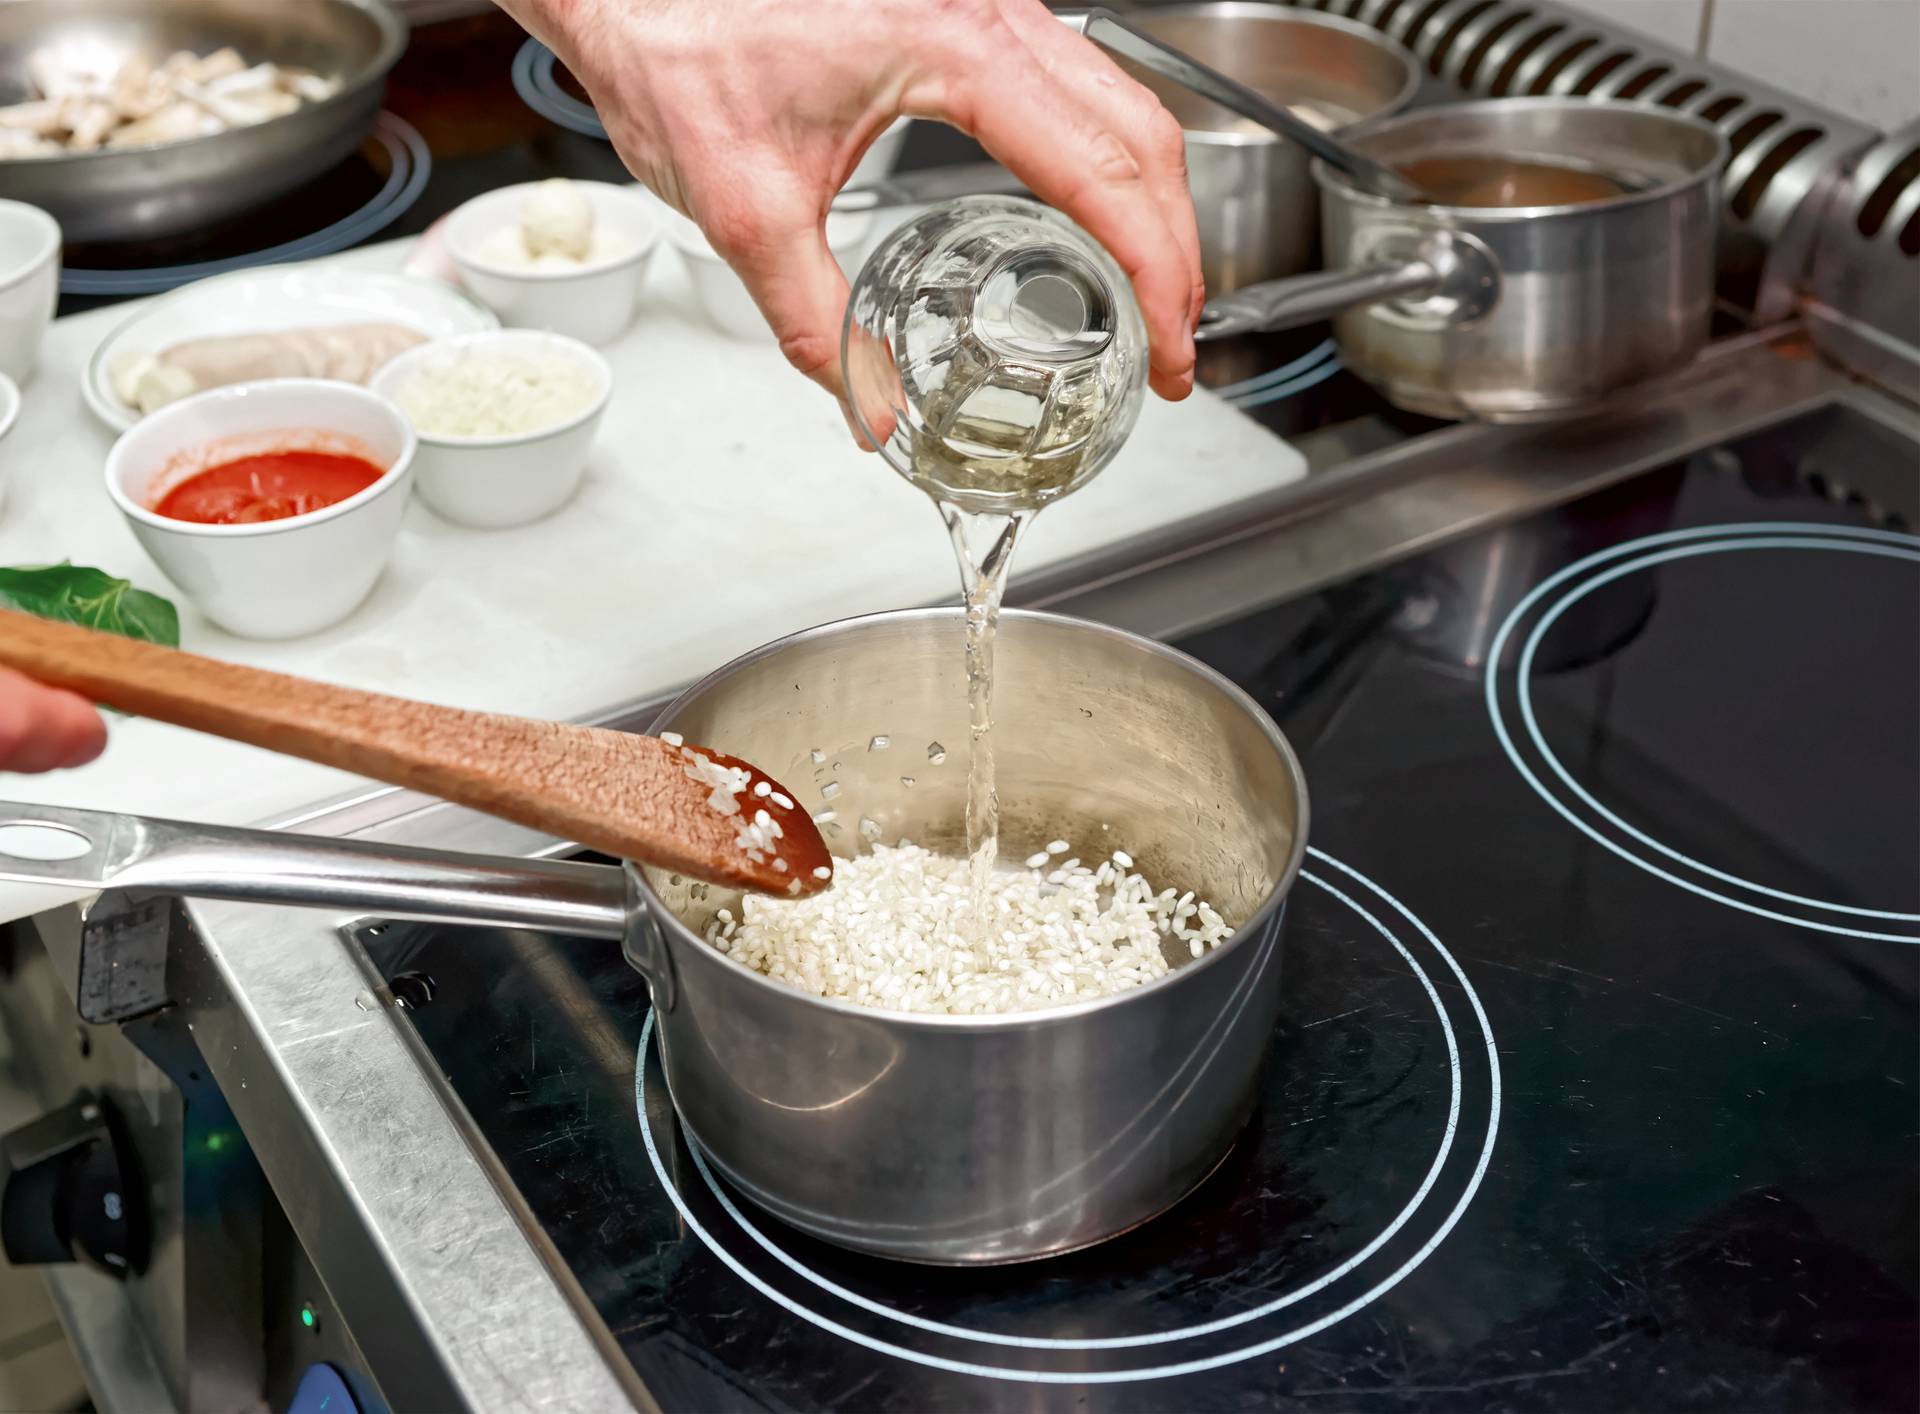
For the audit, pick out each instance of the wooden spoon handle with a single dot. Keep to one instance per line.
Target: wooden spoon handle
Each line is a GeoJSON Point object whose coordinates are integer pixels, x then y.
{"type": "Point", "coordinates": [617, 792]}
{"type": "Point", "coordinates": [409, 743]}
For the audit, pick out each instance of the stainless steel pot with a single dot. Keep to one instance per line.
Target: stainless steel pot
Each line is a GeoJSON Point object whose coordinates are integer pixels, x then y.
{"type": "Point", "coordinates": [1256, 203]}
{"type": "Point", "coordinates": [932, 1138]}
{"type": "Point", "coordinates": [145, 192]}
{"type": "Point", "coordinates": [1518, 313]}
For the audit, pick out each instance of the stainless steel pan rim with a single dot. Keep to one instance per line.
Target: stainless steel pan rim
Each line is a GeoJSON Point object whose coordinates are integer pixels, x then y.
{"type": "Point", "coordinates": [682, 936]}
{"type": "Point", "coordinates": [1278, 14]}
{"type": "Point", "coordinates": [393, 41]}
{"type": "Point", "coordinates": [1330, 180]}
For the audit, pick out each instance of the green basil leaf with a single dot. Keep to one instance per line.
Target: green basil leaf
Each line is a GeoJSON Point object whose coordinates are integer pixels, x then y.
{"type": "Point", "coordinates": [92, 598]}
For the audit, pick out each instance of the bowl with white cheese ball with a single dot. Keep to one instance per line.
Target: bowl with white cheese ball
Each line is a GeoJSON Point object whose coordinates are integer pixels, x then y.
{"type": "Point", "coordinates": [505, 421]}
{"type": "Point", "coordinates": [558, 255]}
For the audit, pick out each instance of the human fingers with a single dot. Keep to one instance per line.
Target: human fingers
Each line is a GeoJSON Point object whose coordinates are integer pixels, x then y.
{"type": "Point", "coordinates": [1072, 159]}
{"type": "Point", "coordinates": [779, 249]}
{"type": "Point", "coordinates": [44, 728]}
{"type": "Point", "coordinates": [1134, 112]}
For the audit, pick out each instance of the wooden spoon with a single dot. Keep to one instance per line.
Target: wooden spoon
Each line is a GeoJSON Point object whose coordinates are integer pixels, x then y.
{"type": "Point", "coordinates": [634, 797]}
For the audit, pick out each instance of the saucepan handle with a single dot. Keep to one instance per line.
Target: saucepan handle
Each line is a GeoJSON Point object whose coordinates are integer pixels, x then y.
{"type": "Point", "coordinates": [91, 849]}
{"type": "Point", "coordinates": [1273, 305]}
{"type": "Point", "coordinates": [1452, 273]}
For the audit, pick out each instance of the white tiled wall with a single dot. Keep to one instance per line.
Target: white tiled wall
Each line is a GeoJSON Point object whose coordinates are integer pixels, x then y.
{"type": "Point", "coordinates": [1857, 57]}
{"type": "Point", "coordinates": [1675, 22]}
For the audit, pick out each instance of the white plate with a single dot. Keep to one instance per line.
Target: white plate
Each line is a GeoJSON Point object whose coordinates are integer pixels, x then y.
{"type": "Point", "coordinates": [276, 297]}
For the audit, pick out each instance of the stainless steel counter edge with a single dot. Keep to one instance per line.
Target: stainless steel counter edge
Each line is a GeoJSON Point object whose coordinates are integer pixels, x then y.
{"type": "Point", "coordinates": [434, 1274]}
{"type": "Point", "coordinates": [450, 1291]}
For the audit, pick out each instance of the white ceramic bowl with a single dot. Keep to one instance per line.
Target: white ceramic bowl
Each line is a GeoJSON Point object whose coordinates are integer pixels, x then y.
{"type": "Point", "coordinates": [278, 578]}
{"type": "Point", "coordinates": [9, 410]}
{"type": "Point", "coordinates": [722, 295]}
{"type": "Point", "coordinates": [493, 482]}
{"type": "Point", "coordinates": [593, 302]}
{"type": "Point", "coordinates": [29, 285]}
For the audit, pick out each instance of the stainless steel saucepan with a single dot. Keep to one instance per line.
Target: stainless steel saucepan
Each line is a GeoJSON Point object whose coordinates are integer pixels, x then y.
{"type": "Point", "coordinates": [1254, 199]}
{"type": "Point", "coordinates": [1253, 196]}
{"type": "Point", "coordinates": [1519, 312]}
{"type": "Point", "coordinates": [931, 1138]}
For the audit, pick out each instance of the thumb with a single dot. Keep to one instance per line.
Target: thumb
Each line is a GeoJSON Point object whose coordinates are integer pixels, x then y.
{"type": "Point", "coordinates": [802, 292]}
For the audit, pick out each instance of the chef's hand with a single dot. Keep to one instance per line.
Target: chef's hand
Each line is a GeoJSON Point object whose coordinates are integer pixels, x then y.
{"type": "Point", "coordinates": [45, 728]}
{"type": "Point", "coordinates": [750, 116]}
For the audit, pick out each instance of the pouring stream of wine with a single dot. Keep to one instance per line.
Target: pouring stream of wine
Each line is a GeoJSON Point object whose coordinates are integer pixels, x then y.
{"type": "Point", "coordinates": [984, 545]}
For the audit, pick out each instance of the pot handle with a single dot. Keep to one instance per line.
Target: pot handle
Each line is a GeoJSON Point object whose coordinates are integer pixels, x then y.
{"type": "Point", "coordinates": [1273, 305]}
{"type": "Point", "coordinates": [91, 849]}
{"type": "Point", "coordinates": [1451, 270]}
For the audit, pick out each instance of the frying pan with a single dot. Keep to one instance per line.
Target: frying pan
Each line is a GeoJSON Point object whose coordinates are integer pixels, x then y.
{"type": "Point", "coordinates": [145, 192]}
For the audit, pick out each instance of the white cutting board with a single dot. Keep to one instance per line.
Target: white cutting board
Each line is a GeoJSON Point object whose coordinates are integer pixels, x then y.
{"type": "Point", "coordinates": [725, 506]}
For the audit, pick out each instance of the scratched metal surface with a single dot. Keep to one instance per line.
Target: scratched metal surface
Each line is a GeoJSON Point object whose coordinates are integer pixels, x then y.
{"type": "Point", "coordinates": [1702, 1193]}
{"type": "Point", "coordinates": [432, 1272]}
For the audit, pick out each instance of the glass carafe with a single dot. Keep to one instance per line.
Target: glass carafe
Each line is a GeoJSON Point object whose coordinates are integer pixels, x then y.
{"type": "Point", "coordinates": [994, 354]}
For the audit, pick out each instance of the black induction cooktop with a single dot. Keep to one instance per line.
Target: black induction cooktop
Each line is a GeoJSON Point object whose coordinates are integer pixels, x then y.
{"type": "Point", "coordinates": [1598, 1071]}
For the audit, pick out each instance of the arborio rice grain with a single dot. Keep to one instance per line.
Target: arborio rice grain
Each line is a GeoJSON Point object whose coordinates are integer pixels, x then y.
{"type": "Point", "coordinates": [896, 931]}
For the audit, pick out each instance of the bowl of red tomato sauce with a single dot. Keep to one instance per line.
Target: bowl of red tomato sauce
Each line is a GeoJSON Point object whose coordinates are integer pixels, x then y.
{"type": "Point", "coordinates": [274, 506]}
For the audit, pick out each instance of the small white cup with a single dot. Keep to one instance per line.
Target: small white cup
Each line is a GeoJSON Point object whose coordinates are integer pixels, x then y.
{"type": "Point", "coordinates": [493, 482]}
{"type": "Point", "coordinates": [29, 285]}
{"type": "Point", "coordinates": [9, 410]}
{"type": "Point", "coordinates": [722, 295]}
{"type": "Point", "coordinates": [277, 578]}
{"type": "Point", "coordinates": [592, 302]}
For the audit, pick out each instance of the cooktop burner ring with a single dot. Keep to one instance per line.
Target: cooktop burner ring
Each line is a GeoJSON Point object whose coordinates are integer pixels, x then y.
{"type": "Point", "coordinates": [410, 164]}
{"type": "Point", "coordinates": [1120, 1376]}
{"type": "Point", "coordinates": [534, 81]}
{"type": "Point", "coordinates": [1631, 557]}
{"type": "Point", "coordinates": [1296, 376]}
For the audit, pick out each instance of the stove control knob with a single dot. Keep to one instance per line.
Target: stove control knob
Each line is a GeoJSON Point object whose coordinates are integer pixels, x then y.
{"type": "Point", "coordinates": [69, 1191]}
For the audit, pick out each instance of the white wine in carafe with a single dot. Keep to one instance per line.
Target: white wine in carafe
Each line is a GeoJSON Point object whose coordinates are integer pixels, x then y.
{"type": "Point", "coordinates": [995, 357]}
{"type": "Point", "coordinates": [994, 354]}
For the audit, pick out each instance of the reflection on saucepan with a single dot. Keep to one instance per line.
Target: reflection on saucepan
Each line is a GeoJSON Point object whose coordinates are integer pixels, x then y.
{"type": "Point", "coordinates": [1465, 591]}
{"type": "Point", "coordinates": [848, 1061]}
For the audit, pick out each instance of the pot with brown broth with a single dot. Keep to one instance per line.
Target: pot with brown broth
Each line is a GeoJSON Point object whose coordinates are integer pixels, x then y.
{"type": "Point", "coordinates": [1568, 255]}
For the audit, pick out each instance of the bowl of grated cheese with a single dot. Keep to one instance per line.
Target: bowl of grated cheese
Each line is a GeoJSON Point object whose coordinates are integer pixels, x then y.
{"type": "Point", "coordinates": [505, 419]}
